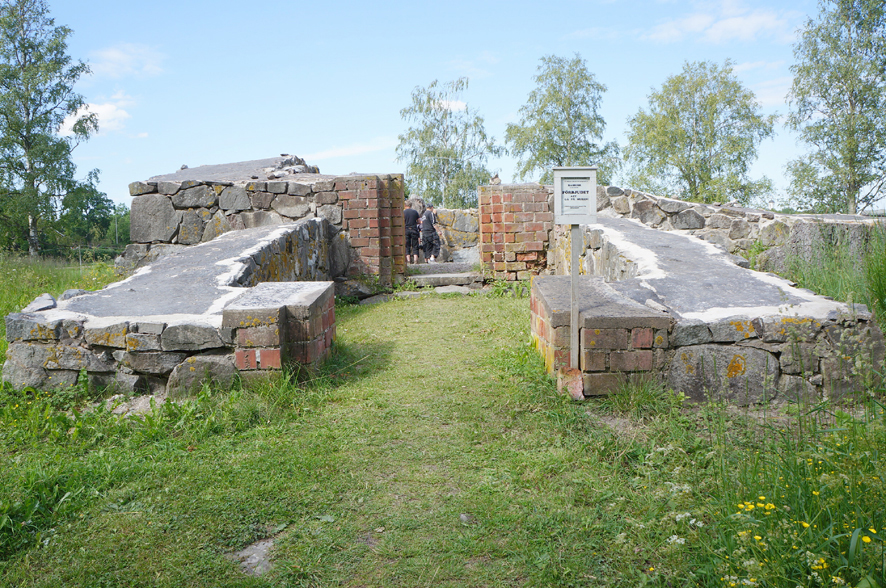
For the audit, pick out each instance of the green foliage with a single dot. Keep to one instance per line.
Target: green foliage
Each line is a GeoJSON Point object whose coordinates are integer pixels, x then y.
{"type": "Point", "coordinates": [838, 105]}
{"type": "Point", "coordinates": [875, 272]}
{"type": "Point", "coordinates": [699, 137]}
{"type": "Point", "coordinates": [37, 100]}
{"type": "Point", "coordinates": [27, 278]}
{"type": "Point", "coordinates": [86, 214]}
{"type": "Point", "coordinates": [446, 148]}
{"type": "Point", "coordinates": [560, 124]}
{"type": "Point", "coordinates": [805, 508]}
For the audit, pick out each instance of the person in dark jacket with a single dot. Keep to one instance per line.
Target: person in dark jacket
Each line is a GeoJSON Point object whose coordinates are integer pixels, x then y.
{"type": "Point", "coordinates": [411, 219]}
{"type": "Point", "coordinates": [429, 237]}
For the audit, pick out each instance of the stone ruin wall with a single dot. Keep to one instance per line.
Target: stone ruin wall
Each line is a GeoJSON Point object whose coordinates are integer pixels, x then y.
{"type": "Point", "coordinates": [284, 315]}
{"type": "Point", "coordinates": [791, 357]}
{"type": "Point", "coordinates": [365, 211]}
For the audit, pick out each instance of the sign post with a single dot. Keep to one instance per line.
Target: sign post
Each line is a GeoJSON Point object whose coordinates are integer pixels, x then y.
{"type": "Point", "coordinates": [575, 203]}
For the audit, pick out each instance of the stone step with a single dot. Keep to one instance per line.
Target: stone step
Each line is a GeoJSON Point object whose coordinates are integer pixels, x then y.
{"type": "Point", "coordinates": [461, 279]}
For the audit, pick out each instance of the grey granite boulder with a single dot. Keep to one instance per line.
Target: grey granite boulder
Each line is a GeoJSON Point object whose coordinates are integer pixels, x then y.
{"type": "Point", "coordinates": [196, 197]}
{"type": "Point", "coordinates": [187, 377]}
{"type": "Point", "coordinates": [153, 218]}
{"type": "Point", "coordinates": [688, 219]}
{"type": "Point", "coordinates": [738, 375]}
{"type": "Point", "coordinates": [234, 198]}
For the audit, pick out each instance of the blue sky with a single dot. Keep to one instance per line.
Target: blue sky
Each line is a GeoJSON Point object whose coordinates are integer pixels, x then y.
{"type": "Point", "coordinates": [213, 82]}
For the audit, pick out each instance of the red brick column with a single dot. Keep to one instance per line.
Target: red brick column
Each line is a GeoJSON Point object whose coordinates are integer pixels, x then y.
{"type": "Point", "coordinates": [515, 227]}
{"type": "Point", "coordinates": [372, 214]}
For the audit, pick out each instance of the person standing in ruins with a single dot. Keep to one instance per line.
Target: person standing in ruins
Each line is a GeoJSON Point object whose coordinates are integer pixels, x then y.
{"type": "Point", "coordinates": [429, 237]}
{"type": "Point", "coordinates": [410, 219]}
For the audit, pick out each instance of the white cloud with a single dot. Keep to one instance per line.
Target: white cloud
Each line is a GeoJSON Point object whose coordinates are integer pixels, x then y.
{"type": "Point", "coordinates": [725, 21]}
{"type": "Point", "coordinates": [675, 30]}
{"type": "Point", "coordinates": [452, 105]}
{"type": "Point", "coordinates": [126, 59]}
{"type": "Point", "coordinates": [112, 115]}
{"type": "Point", "coordinates": [377, 144]}
{"type": "Point", "coordinates": [773, 92]}
{"type": "Point", "coordinates": [477, 67]}
{"type": "Point", "coordinates": [752, 65]}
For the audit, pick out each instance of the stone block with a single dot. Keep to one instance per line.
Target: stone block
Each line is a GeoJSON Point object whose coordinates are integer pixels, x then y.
{"type": "Point", "coordinates": [190, 337]}
{"type": "Point", "coordinates": [690, 332]}
{"type": "Point", "coordinates": [671, 206]}
{"type": "Point", "coordinates": [142, 342]}
{"type": "Point", "coordinates": [139, 188]}
{"type": "Point", "coordinates": [261, 218]}
{"type": "Point", "coordinates": [291, 206]}
{"type": "Point", "coordinates": [570, 381]}
{"type": "Point", "coordinates": [331, 213]}
{"type": "Point", "coordinates": [120, 382]}
{"type": "Point", "coordinates": [774, 234]}
{"type": "Point", "coordinates": [257, 186]}
{"type": "Point", "coordinates": [234, 198]}
{"type": "Point", "coordinates": [153, 218]}
{"type": "Point", "coordinates": [660, 341]}
{"type": "Point", "coordinates": [153, 362]}
{"type": "Point", "coordinates": [217, 225]}
{"type": "Point", "coordinates": [42, 302]}
{"type": "Point", "coordinates": [605, 338]}
{"type": "Point", "coordinates": [719, 221]}
{"type": "Point", "coordinates": [190, 231]}
{"type": "Point", "coordinates": [261, 336]}
{"type": "Point", "coordinates": [192, 373]}
{"type": "Point", "coordinates": [798, 358]}
{"type": "Point", "coordinates": [298, 189]}
{"type": "Point", "coordinates": [778, 329]}
{"type": "Point", "coordinates": [32, 327]}
{"type": "Point", "coordinates": [107, 336]}
{"type": "Point", "coordinates": [621, 204]}
{"type": "Point", "coordinates": [277, 187]}
{"type": "Point", "coordinates": [630, 361]}
{"type": "Point", "coordinates": [197, 197]}
{"type": "Point", "coordinates": [688, 219]}
{"type": "Point", "coordinates": [326, 198]}
{"type": "Point", "coordinates": [738, 375]}
{"type": "Point", "coordinates": [739, 229]}
{"type": "Point", "coordinates": [732, 330]}
{"type": "Point", "coordinates": [168, 188]}
{"type": "Point", "coordinates": [262, 200]}
{"type": "Point", "coordinates": [798, 390]}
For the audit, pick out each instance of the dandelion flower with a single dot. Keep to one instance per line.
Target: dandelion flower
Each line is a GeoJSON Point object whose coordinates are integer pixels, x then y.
{"type": "Point", "coordinates": [805, 524]}
{"type": "Point", "coordinates": [866, 539]}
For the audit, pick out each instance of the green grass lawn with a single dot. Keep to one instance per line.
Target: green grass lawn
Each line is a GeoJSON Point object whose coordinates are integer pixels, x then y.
{"type": "Point", "coordinates": [434, 451]}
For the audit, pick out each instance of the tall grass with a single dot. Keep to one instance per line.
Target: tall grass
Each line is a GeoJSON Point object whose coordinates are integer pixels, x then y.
{"type": "Point", "coordinates": [24, 279]}
{"type": "Point", "coordinates": [834, 267]}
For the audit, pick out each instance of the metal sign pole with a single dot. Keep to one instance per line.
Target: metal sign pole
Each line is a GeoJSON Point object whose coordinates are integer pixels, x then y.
{"type": "Point", "coordinates": [575, 204]}
{"type": "Point", "coordinates": [576, 242]}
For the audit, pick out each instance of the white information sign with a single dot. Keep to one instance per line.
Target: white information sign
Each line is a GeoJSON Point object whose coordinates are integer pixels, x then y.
{"type": "Point", "coordinates": [575, 195]}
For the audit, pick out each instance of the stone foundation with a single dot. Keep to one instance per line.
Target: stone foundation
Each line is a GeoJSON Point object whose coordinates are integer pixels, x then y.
{"type": "Point", "coordinates": [204, 314]}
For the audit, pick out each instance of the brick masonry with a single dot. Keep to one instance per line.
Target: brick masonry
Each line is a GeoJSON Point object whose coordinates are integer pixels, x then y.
{"type": "Point", "coordinates": [367, 209]}
{"type": "Point", "coordinates": [515, 227]}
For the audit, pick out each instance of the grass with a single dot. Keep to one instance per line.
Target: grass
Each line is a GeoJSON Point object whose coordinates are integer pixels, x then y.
{"type": "Point", "coordinates": [434, 451]}
{"type": "Point", "coordinates": [836, 269]}
{"type": "Point", "coordinates": [24, 280]}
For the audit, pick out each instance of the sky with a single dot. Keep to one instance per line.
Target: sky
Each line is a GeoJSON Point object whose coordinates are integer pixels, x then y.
{"type": "Point", "coordinates": [197, 83]}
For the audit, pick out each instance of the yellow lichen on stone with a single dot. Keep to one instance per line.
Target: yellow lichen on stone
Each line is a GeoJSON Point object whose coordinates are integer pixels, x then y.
{"type": "Point", "coordinates": [686, 358]}
{"type": "Point", "coordinates": [736, 367]}
{"type": "Point", "coordinates": [659, 340]}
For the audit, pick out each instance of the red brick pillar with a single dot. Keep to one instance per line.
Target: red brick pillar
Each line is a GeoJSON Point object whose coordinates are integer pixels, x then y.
{"type": "Point", "coordinates": [515, 226]}
{"type": "Point", "coordinates": [372, 207]}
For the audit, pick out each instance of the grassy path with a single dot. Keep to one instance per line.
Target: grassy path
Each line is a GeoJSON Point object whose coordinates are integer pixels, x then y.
{"type": "Point", "coordinates": [433, 451]}
{"type": "Point", "coordinates": [427, 464]}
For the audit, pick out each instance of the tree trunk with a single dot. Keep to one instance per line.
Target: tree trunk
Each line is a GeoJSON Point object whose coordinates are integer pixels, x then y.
{"type": "Point", "coordinates": [33, 242]}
